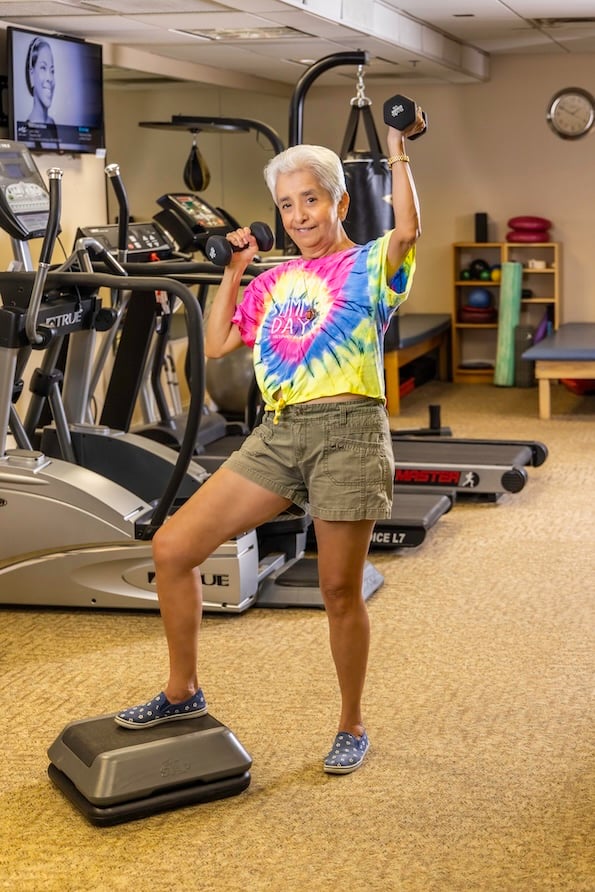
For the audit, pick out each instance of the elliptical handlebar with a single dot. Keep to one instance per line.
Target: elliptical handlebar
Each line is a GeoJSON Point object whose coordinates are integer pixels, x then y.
{"type": "Point", "coordinates": [47, 249]}
{"type": "Point", "coordinates": [113, 174]}
{"type": "Point", "coordinates": [55, 181]}
{"type": "Point", "coordinates": [92, 245]}
{"type": "Point", "coordinates": [196, 358]}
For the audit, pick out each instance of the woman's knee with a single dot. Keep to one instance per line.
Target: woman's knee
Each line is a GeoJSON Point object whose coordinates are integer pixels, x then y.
{"type": "Point", "coordinates": [341, 597]}
{"type": "Point", "coordinates": [171, 549]}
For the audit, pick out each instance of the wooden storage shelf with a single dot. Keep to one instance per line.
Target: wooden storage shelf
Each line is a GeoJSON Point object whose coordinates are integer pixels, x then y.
{"type": "Point", "coordinates": [475, 325]}
{"type": "Point", "coordinates": [476, 341]}
{"type": "Point", "coordinates": [478, 372]}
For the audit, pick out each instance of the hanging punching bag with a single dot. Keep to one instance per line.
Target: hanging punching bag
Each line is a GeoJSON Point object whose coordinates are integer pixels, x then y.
{"type": "Point", "coordinates": [196, 173]}
{"type": "Point", "coordinates": [368, 179]}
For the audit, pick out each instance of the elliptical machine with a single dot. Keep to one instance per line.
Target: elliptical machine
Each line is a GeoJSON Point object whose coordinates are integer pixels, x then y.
{"type": "Point", "coordinates": [144, 330]}
{"type": "Point", "coordinates": [77, 538]}
{"type": "Point", "coordinates": [64, 380]}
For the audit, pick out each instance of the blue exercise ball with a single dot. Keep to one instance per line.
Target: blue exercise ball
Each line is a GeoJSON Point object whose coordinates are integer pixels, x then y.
{"type": "Point", "coordinates": [480, 298]}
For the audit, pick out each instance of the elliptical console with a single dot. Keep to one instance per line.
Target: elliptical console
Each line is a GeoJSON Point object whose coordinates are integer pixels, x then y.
{"type": "Point", "coordinates": [24, 198]}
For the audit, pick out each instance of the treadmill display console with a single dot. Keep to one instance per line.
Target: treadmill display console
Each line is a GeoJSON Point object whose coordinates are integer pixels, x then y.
{"type": "Point", "coordinates": [200, 215]}
{"type": "Point", "coordinates": [24, 198]}
{"type": "Point", "coordinates": [189, 220]}
{"type": "Point", "coordinates": [145, 240]}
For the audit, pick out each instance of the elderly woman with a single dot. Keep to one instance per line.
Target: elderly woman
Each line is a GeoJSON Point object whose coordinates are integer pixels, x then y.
{"type": "Point", "coordinates": [316, 324]}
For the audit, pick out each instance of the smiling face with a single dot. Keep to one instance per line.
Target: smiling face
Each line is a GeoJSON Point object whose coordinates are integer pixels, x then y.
{"type": "Point", "coordinates": [311, 218]}
{"type": "Point", "coordinates": [41, 76]}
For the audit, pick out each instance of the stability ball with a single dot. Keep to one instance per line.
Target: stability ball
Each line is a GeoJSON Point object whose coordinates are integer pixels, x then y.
{"type": "Point", "coordinates": [228, 380]}
{"type": "Point", "coordinates": [480, 298]}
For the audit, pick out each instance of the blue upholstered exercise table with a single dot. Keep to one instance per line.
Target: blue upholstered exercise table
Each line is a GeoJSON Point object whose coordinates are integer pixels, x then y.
{"type": "Point", "coordinates": [567, 353]}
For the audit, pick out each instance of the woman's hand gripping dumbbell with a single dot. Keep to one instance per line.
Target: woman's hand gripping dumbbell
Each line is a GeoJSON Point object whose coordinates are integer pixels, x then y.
{"type": "Point", "coordinates": [219, 248]}
{"type": "Point", "coordinates": [401, 112]}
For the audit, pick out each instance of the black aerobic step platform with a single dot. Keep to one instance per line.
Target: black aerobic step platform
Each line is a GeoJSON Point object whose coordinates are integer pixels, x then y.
{"type": "Point", "coordinates": [113, 775]}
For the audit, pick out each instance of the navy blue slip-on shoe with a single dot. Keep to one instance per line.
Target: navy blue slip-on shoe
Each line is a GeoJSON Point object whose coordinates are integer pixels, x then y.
{"type": "Point", "coordinates": [347, 754]}
{"type": "Point", "coordinates": [159, 709]}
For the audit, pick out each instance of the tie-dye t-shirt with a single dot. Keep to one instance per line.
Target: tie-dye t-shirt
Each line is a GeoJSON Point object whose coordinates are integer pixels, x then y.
{"type": "Point", "coordinates": [317, 325]}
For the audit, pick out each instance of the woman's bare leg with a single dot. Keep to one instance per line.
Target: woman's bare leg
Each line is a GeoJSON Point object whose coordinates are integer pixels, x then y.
{"type": "Point", "coordinates": [226, 505]}
{"type": "Point", "coordinates": [342, 551]}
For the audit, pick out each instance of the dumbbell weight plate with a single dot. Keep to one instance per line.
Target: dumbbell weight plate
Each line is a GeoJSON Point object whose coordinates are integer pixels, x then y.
{"type": "Point", "coordinates": [219, 250]}
{"type": "Point", "coordinates": [263, 235]}
{"type": "Point", "coordinates": [400, 112]}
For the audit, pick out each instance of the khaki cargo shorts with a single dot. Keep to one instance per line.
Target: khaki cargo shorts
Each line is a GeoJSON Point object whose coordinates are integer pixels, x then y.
{"type": "Point", "coordinates": [335, 460]}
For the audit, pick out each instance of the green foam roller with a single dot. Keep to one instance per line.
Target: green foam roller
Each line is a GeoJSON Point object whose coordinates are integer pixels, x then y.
{"type": "Point", "coordinates": [508, 318]}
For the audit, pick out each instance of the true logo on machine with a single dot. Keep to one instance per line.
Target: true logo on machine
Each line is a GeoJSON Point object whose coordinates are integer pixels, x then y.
{"type": "Point", "coordinates": [210, 579]}
{"type": "Point", "coordinates": [74, 317]}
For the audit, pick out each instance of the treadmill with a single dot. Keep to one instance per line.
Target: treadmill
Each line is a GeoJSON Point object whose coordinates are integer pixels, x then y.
{"type": "Point", "coordinates": [145, 325]}
{"type": "Point", "coordinates": [189, 220]}
{"type": "Point", "coordinates": [482, 470]}
{"type": "Point", "coordinates": [430, 458]}
{"type": "Point", "coordinates": [414, 513]}
{"type": "Point", "coordinates": [184, 224]}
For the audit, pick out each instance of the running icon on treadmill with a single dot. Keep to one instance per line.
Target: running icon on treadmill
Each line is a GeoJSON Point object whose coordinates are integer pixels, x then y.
{"type": "Point", "coordinates": [470, 480]}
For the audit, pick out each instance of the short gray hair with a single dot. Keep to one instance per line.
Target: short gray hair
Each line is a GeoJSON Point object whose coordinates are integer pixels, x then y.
{"type": "Point", "coordinates": [322, 162]}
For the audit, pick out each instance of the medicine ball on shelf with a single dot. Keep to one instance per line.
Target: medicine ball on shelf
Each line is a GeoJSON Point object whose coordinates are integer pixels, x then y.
{"type": "Point", "coordinates": [476, 267]}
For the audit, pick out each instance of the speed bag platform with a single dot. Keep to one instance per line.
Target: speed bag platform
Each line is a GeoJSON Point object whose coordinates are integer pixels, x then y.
{"type": "Point", "coordinates": [112, 774]}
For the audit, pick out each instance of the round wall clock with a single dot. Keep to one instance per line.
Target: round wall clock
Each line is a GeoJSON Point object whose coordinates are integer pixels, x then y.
{"type": "Point", "coordinates": [571, 112]}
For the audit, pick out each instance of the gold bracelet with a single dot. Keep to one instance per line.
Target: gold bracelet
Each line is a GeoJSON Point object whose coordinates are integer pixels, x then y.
{"type": "Point", "coordinates": [395, 158]}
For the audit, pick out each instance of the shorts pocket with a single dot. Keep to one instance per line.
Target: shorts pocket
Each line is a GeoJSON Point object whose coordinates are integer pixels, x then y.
{"type": "Point", "coordinates": [361, 455]}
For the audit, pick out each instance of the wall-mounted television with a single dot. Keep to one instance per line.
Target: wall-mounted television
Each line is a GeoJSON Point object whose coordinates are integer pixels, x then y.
{"type": "Point", "coordinates": [55, 92]}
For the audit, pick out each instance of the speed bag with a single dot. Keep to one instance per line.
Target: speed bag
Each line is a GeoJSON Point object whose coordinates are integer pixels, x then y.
{"type": "Point", "coordinates": [369, 184]}
{"type": "Point", "coordinates": [197, 175]}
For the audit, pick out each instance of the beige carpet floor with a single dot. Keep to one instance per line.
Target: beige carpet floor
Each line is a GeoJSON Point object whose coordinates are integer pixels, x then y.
{"type": "Point", "coordinates": [479, 706]}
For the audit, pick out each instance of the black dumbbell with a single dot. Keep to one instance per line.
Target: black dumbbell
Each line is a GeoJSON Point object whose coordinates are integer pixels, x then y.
{"type": "Point", "coordinates": [219, 250]}
{"type": "Point", "coordinates": [400, 112]}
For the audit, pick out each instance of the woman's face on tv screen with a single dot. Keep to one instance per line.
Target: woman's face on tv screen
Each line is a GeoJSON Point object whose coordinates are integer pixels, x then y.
{"type": "Point", "coordinates": [42, 76]}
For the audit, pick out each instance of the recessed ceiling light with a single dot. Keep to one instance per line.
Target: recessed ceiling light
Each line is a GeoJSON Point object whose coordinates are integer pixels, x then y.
{"type": "Point", "coordinates": [280, 33]}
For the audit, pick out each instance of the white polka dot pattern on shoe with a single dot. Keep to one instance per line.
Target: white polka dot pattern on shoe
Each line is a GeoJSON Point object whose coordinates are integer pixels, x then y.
{"type": "Point", "coordinates": [159, 709]}
{"type": "Point", "coordinates": [347, 753]}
